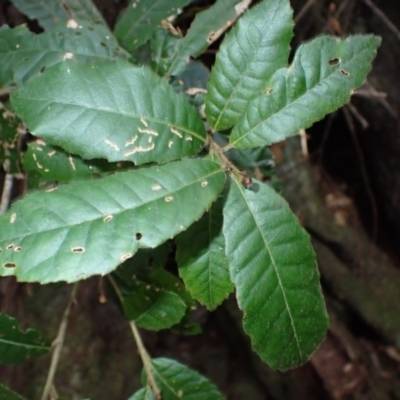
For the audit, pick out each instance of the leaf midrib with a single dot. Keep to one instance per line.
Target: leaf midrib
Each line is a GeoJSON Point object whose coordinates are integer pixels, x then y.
{"type": "Point", "coordinates": [243, 75]}
{"type": "Point", "coordinates": [166, 194]}
{"type": "Point", "coordinates": [119, 113]}
{"type": "Point", "coordinates": [25, 345]}
{"type": "Point", "coordinates": [275, 269]}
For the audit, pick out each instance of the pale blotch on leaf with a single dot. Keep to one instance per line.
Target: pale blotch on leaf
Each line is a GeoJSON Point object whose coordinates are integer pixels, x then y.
{"type": "Point", "coordinates": [143, 121]}
{"type": "Point", "coordinates": [71, 161]}
{"type": "Point", "coordinates": [148, 131]}
{"type": "Point", "coordinates": [170, 143]}
{"type": "Point", "coordinates": [169, 198]}
{"type": "Point", "coordinates": [13, 218]}
{"type": "Point", "coordinates": [180, 393]}
{"type": "Point", "coordinates": [68, 56]}
{"type": "Point", "coordinates": [18, 249]}
{"type": "Point", "coordinates": [175, 131]}
{"type": "Point", "coordinates": [204, 183]}
{"type": "Point", "coordinates": [139, 149]}
{"type": "Point", "coordinates": [10, 246]}
{"type": "Point", "coordinates": [111, 144]}
{"type": "Point", "coordinates": [9, 265]}
{"type": "Point", "coordinates": [72, 24]}
{"type": "Point", "coordinates": [107, 218]}
{"type": "Point", "coordinates": [78, 250]}
{"type": "Point", "coordinates": [156, 187]}
{"type": "Point", "coordinates": [132, 141]}
{"type": "Point", "coordinates": [189, 139]}
{"type": "Point", "coordinates": [126, 256]}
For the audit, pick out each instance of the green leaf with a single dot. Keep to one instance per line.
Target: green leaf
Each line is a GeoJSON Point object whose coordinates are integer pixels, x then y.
{"type": "Point", "coordinates": [201, 258]}
{"type": "Point", "coordinates": [54, 164]}
{"type": "Point", "coordinates": [154, 308]}
{"type": "Point", "coordinates": [138, 21]}
{"type": "Point", "coordinates": [78, 107]}
{"type": "Point", "coordinates": [8, 394]}
{"type": "Point", "coordinates": [324, 74]}
{"type": "Point", "coordinates": [50, 13]}
{"type": "Point", "coordinates": [90, 227]}
{"type": "Point", "coordinates": [9, 146]}
{"type": "Point", "coordinates": [178, 382]}
{"type": "Point", "coordinates": [205, 29]}
{"type": "Point", "coordinates": [143, 394]}
{"type": "Point", "coordinates": [25, 55]}
{"type": "Point", "coordinates": [256, 47]}
{"type": "Point", "coordinates": [275, 274]}
{"type": "Point", "coordinates": [15, 346]}
{"type": "Point", "coordinates": [163, 47]}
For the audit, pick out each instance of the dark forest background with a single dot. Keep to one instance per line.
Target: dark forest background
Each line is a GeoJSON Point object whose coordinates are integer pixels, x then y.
{"type": "Point", "coordinates": [345, 189]}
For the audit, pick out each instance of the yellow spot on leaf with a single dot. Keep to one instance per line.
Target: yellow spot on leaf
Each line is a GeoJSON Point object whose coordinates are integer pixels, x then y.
{"type": "Point", "coordinates": [169, 198]}
{"type": "Point", "coordinates": [107, 218]}
{"type": "Point", "coordinates": [126, 256]}
{"type": "Point", "coordinates": [71, 161]}
{"type": "Point", "coordinates": [13, 218]}
{"type": "Point", "coordinates": [170, 143]}
{"type": "Point", "coordinates": [156, 187]}
{"type": "Point", "coordinates": [68, 55]}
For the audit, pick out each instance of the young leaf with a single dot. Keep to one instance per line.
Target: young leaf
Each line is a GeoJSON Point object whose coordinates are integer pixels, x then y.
{"type": "Point", "coordinates": [204, 30]}
{"type": "Point", "coordinates": [154, 308]}
{"type": "Point", "coordinates": [201, 258]}
{"type": "Point", "coordinates": [8, 394]}
{"type": "Point", "coordinates": [54, 164]}
{"type": "Point", "coordinates": [251, 52]}
{"type": "Point", "coordinates": [50, 13]}
{"type": "Point", "coordinates": [15, 346]}
{"type": "Point", "coordinates": [274, 270]}
{"type": "Point", "coordinates": [178, 382]}
{"type": "Point", "coordinates": [90, 227]}
{"type": "Point", "coordinates": [137, 23]}
{"type": "Point", "coordinates": [110, 110]}
{"type": "Point", "coordinates": [324, 74]}
{"type": "Point", "coordinates": [25, 55]}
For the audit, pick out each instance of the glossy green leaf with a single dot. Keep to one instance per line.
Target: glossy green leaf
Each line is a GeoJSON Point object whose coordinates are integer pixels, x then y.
{"type": "Point", "coordinates": [178, 382]}
{"type": "Point", "coordinates": [54, 164]}
{"type": "Point", "coordinates": [201, 258]}
{"type": "Point", "coordinates": [110, 110]}
{"type": "Point", "coordinates": [324, 74]}
{"type": "Point", "coordinates": [50, 13]}
{"type": "Point", "coordinates": [251, 52]}
{"type": "Point", "coordinates": [16, 346]}
{"type": "Point", "coordinates": [274, 270]}
{"type": "Point", "coordinates": [143, 394]}
{"type": "Point", "coordinates": [205, 29]}
{"type": "Point", "coordinates": [141, 17]}
{"type": "Point", "coordinates": [154, 308]}
{"type": "Point", "coordinates": [90, 227]}
{"type": "Point", "coordinates": [25, 55]}
{"type": "Point", "coordinates": [8, 394]}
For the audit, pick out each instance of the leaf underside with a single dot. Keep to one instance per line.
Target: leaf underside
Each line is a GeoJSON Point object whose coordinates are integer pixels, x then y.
{"type": "Point", "coordinates": [90, 227]}
{"type": "Point", "coordinates": [273, 267]}
{"type": "Point", "coordinates": [322, 77]}
{"type": "Point", "coordinates": [251, 52]}
{"type": "Point", "coordinates": [110, 110]}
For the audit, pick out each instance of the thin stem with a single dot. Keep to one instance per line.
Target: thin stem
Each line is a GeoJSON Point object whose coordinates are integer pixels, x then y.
{"type": "Point", "coordinates": [146, 359]}
{"type": "Point", "coordinates": [58, 344]}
